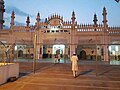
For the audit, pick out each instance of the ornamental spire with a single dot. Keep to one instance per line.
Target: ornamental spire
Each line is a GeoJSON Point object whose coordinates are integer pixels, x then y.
{"type": "Point", "coordinates": [38, 17]}
{"type": "Point", "coordinates": [104, 16]}
{"type": "Point", "coordinates": [73, 17]}
{"type": "Point", "coordinates": [104, 19]}
{"type": "Point", "coordinates": [28, 20]}
{"type": "Point", "coordinates": [95, 21]}
{"type": "Point", "coordinates": [12, 18]}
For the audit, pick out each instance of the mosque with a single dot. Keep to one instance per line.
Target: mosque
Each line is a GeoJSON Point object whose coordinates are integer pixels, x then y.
{"type": "Point", "coordinates": [54, 35]}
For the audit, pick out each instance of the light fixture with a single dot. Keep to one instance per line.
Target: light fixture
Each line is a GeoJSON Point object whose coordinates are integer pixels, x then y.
{"type": "Point", "coordinates": [109, 48]}
{"type": "Point", "coordinates": [116, 48]}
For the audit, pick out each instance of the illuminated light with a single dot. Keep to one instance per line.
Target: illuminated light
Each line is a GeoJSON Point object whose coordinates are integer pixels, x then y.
{"type": "Point", "coordinates": [113, 52]}
{"type": "Point", "coordinates": [15, 48]}
{"type": "Point", "coordinates": [58, 47]}
{"type": "Point", "coordinates": [109, 48]}
{"type": "Point", "coordinates": [54, 29]}
{"type": "Point", "coordinates": [116, 48]}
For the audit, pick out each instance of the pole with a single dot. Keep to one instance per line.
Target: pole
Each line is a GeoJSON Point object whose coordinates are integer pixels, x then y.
{"type": "Point", "coordinates": [96, 59]}
{"type": "Point", "coordinates": [34, 58]}
{"type": "Point", "coordinates": [17, 55]}
{"type": "Point", "coordinates": [96, 62]}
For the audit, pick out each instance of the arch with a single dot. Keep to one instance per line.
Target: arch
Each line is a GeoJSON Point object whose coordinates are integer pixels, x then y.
{"type": "Point", "coordinates": [20, 53]}
{"type": "Point", "coordinates": [82, 55]}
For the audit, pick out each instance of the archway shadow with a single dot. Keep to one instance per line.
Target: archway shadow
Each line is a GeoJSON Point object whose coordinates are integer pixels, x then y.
{"type": "Point", "coordinates": [21, 74]}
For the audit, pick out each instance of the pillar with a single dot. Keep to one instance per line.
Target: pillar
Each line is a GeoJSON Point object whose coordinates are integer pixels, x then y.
{"type": "Point", "coordinates": [105, 53]}
{"type": "Point", "coordinates": [39, 52]}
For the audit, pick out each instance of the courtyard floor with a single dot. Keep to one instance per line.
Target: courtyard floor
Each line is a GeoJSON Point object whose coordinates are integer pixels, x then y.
{"type": "Point", "coordinates": [50, 76]}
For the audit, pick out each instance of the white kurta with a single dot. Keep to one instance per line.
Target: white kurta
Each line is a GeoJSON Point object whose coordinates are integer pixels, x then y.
{"type": "Point", "coordinates": [74, 60]}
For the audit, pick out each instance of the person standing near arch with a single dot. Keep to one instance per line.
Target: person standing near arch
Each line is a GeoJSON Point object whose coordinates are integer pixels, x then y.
{"type": "Point", "coordinates": [55, 58]}
{"type": "Point", "coordinates": [58, 58]}
{"type": "Point", "coordinates": [74, 60]}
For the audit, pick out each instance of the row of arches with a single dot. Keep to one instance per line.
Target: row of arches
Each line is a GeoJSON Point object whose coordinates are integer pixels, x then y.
{"type": "Point", "coordinates": [47, 53]}
{"type": "Point", "coordinates": [83, 52]}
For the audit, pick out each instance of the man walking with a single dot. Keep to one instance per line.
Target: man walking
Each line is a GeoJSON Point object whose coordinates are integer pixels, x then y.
{"type": "Point", "coordinates": [74, 60]}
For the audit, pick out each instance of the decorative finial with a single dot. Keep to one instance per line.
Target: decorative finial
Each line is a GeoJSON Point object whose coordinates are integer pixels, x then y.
{"type": "Point", "coordinates": [13, 15]}
{"type": "Point", "coordinates": [95, 19]}
{"type": "Point", "coordinates": [38, 14]}
{"type": "Point", "coordinates": [104, 11]}
{"type": "Point", "coordinates": [28, 20]}
{"type": "Point", "coordinates": [38, 17]}
{"type": "Point", "coordinates": [12, 18]}
{"type": "Point", "coordinates": [104, 15]}
{"type": "Point", "coordinates": [73, 16]}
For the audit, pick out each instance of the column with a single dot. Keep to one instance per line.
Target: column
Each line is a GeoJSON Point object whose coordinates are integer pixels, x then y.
{"type": "Point", "coordinates": [39, 52]}
{"type": "Point", "coordinates": [105, 53]}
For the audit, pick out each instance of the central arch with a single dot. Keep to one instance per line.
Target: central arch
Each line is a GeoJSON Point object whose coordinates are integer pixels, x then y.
{"type": "Point", "coordinates": [58, 49]}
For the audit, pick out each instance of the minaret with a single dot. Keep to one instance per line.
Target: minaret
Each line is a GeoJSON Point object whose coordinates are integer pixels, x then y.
{"type": "Point", "coordinates": [38, 19]}
{"type": "Point", "coordinates": [28, 21]}
{"type": "Point", "coordinates": [2, 10]}
{"type": "Point", "coordinates": [95, 21]}
{"type": "Point", "coordinates": [73, 20]}
{"type": "Point", "coordinates": [12, 19]}
{"type": "Point", "coordinates": [105, 37]}
{"type": "Point", "coordinates": [104, 19]}
{"type": "Point", "coordinates": [72, 35]}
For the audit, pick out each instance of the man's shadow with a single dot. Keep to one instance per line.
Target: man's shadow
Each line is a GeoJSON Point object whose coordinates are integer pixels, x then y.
{"type": "Point", "coordinates": [85, 72]}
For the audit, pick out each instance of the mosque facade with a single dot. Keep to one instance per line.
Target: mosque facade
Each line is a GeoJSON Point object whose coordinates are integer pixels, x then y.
{"type": "Point", "coordinates": [54, 35]}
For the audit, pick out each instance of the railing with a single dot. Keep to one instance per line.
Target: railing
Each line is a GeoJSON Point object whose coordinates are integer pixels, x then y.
{"type": "Point", "coordinates": [89, 28]}
{"type": "Point", "coordinates": [114, 30]}
{"type": "Point", "coordinates": [65, 28]}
